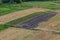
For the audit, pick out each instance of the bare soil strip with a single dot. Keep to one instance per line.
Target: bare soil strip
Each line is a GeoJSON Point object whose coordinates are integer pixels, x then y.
{"type": "Point", "coordinates": [44, 36]}
{"type": "Point", "coordinates": [12, 16]}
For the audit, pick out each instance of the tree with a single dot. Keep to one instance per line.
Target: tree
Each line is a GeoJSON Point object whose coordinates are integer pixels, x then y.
{"type": "Point", "coordinates": [0, 2]}
{"type": "Point", "coordinates": [12, 1]}
{"type": "Point", "coordinates": [16, 1]}
{"type": "Point", "coordinates": [5, 1]}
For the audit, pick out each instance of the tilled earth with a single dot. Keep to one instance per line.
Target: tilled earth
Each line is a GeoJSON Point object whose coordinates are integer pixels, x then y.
{"type": "Point", "coordinates": [33, 23]}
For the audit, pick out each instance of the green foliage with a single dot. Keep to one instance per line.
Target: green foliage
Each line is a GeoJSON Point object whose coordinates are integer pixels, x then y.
{"type": "Point", "coordinates": [20, 1]}
{"type": "Point", "coordinates": [12, 1]}
{"type": "Point", "coordinates": [5, 1]}
{"type": "Point", "coordinates": [2, 27]}
{"type": "Point", "coordinates": [45, 4]}
{"type": "Point", "coordinates": [8, 8]}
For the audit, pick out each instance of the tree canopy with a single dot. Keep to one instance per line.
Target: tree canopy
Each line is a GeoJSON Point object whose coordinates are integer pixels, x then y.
{"type": "Point", "coordinates": [20, 1]}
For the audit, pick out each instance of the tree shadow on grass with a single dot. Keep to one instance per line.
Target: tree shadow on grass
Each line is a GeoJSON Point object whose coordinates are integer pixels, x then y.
{"type": "Point", "coordinates": [33, 23]}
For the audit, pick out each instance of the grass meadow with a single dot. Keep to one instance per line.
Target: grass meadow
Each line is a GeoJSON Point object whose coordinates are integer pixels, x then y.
{"type": "Point", "coordinates": [8, 8]}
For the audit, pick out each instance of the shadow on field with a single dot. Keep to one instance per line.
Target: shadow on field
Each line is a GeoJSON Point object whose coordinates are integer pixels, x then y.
{"type": "Point", "coordinates": [33, 23]}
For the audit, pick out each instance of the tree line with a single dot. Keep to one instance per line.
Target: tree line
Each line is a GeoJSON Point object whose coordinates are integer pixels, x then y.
{"type": "Point", "coordinates": [19, 1]}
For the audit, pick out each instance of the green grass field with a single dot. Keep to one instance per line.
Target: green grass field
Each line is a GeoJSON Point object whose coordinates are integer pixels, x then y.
{"type": "Point", "coordinates": [48, 4]}
{"type": "Point", "coordinates": [8, 8]}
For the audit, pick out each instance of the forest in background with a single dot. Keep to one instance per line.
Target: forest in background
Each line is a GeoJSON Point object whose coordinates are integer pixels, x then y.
{"type": "Point", "coordinates": [20, 1]}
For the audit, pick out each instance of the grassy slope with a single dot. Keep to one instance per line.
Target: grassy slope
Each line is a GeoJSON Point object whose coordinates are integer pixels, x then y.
{"type": "Point", "coordinates": [46, 4]}
{"type": "Point", "coordinates": [7, 8]}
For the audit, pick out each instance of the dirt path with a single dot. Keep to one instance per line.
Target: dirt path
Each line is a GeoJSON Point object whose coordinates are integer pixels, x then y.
{"type": "Point", "coordinates": [12, 33]}
{"type": "Point", "coordinates": [42, 35]}
{"type": "Point", "coordinates": [12, 16]}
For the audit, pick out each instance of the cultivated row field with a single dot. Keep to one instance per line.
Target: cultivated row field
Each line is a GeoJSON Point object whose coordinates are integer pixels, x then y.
{"type": "Point", "coordinates": [31, 21]}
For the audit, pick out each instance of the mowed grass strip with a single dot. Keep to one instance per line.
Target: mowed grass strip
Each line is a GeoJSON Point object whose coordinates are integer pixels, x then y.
{"type": "Point", "coordinates": [14, 22]}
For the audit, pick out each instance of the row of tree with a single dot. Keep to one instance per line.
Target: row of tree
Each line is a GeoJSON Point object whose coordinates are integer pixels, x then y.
{"type": "Point", "coordinates": [11, 1]}
{"type": "Point", "coordinates": [20, 1]}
